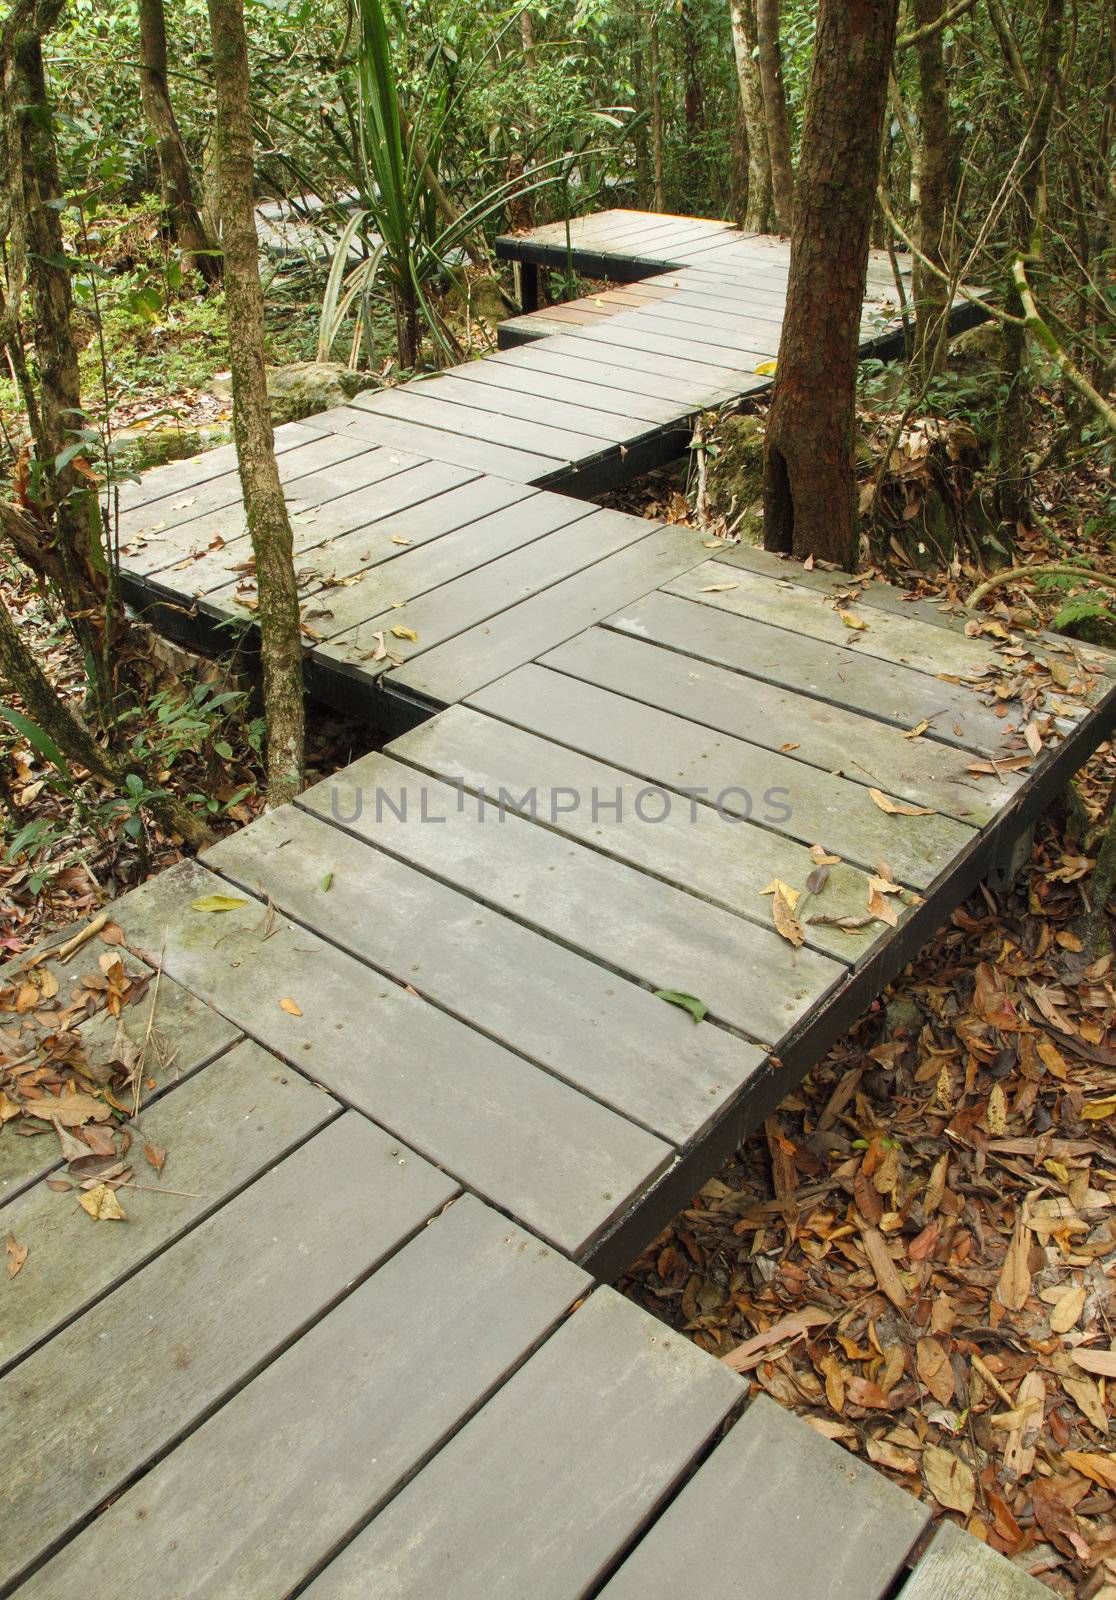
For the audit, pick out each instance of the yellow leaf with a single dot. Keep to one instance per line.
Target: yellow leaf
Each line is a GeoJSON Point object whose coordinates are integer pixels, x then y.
{"type": "Point", "coordinates": [102, 1205]}
{"type": "Point", "coordinates": [217, 902]}
{"type": "Point", "coordinates": [1102, 1469]}
{"type": "Point", "coordinates": [777, 886]}
{"type": "Point", "coordinates": [899, 808]}
{"type": "Point", "coordinates": [291, 1007]}
{"type": "Point", "coordinates": [918, 729]}
{"type": "Point", "coordinates": [405, 633]}
{"type": "Point", "coordinates": [856, 623]}
{"type": "Point", "coordinates": [1097, 1110]}
{"type": "Point", "coordinates": [786, 923]}
{"type": "Point", "coordinates": [766, 368]}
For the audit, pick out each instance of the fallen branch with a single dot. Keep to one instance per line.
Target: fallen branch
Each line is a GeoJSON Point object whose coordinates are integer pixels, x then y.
{"type": "Point", "coordinates": [1044, 569]}
{"type": "Point", "coordinates": [1043, 335]}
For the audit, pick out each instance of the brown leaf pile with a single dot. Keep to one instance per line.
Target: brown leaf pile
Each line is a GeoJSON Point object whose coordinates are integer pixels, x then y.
{"type": "Point", "coordinates": [918, 1252]}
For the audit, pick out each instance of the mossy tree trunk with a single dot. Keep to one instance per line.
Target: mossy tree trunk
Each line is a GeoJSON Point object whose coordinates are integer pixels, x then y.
{"type": "Point", "coordinates": [57, 531]}
{"type": "Point", "coordinates": [758, 212]}
{"type": "Point", "coordinates": [176, 180]}
{"type": "Point", "coordinates": [810, 498]}
{"type": "Point", "coordinates": [265, 507]}
{"type": "Point", "coordinates": [934, 191]}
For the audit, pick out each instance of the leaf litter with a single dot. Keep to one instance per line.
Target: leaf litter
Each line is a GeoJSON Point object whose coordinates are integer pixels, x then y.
{"type": "Point", "coordinates": [917, 1253]}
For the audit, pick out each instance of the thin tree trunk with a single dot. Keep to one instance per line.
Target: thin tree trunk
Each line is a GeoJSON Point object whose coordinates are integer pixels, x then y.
{"type": "Point", "coordinates": [931, 296]}
{"type": "Point", "coordinates": [527, 39]}
{"type": "Point", "coordinates": [23, 677]}
{"type": "Point", "coordinates": [199, 251]}
{"type": "Point", "coordinates": [775, 110]}
{"type": "Point", "coordinates": [656, 119]}
{"type": "Point", "coordinates": [693, 102]}
{"type": "Point", "coordinates": [810, 498]}
{"type": "Point", "coordinates": [64, 547]}
{"type": "Point", "coordinates": [268, 523]}
{"type": "Point", "coordinates": [642, 148]}
{"type": "Point", "coordinates": [1013, 425]}
{"type": "Point", "coordinates": [758, 216]}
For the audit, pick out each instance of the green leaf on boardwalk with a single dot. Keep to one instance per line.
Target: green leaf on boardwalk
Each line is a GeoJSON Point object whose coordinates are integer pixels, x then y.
{"type": "Point", "coordinates": [327, 883]}
{"type": "Point", "coordinates": [217, 902]}
{"type": "Point", "coordinates": [697, 1008]}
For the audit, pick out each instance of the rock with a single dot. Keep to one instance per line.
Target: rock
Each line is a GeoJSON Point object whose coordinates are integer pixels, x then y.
{"type": "Point", "coordinates": [734, 474]}
{"type": "Point", "coordinates": [303, 387]}
{"type": "Point", "coordinates": [140, 448]}
{"type": "Point", "coordinates": [976, 347]}
{"type": "Point", "coordinates": [903, 1016]}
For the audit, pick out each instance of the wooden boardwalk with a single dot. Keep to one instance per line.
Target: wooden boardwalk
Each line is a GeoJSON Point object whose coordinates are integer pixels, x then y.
{"type": "Point", "coordinates": [420, 1092]}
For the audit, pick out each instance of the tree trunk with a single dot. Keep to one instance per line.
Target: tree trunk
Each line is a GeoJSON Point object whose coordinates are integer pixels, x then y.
{"type": "Point", "coordinates": [642, 148]}
{"type": "Point", "coordinates": [25, 679]}
{"type": "Point", "coordinates": [268, 523]}
{"type": "Point", "coordinates": [775, 111]}
{"type": "Point", "coordinates": [810, 500]}
{"type": "Point", "coordinates": [65, 547]}
{"type": "Point", "coordinates": [656, 118]}
{"type": "Point", "coordinates": [693, 102]}
{"type": "Point", "coordinates": [199, 251]}
{"type": "Point", "coordinates": [759, 216]}
{"type": "Point", "coordinates": [527, 39]}
{"type": "Point", "coordinates": [931, 298]}
{"type": "Point", "coordinates": [1014, 496]}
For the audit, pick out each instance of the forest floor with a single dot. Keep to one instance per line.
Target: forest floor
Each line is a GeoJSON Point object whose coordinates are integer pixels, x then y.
{"type": "Point", "coordinates": [912, 1250]}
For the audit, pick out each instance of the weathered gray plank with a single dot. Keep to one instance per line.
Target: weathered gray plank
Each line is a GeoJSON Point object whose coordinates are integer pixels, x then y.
{"type": "Point", "coordinates": [897, 695]}
{"type": "Point", "coordinates": [652, 352]}
{"type": "Point", "coordinates": [747, 976]}
{"type": "Point", "coordinates": [922, 770]}
{"type": "Point", "coordinates": [175, 476]}
{"type": "Point", "coordinates": [490, 648]}
{"type": "Point", "coordinates": [220, 1128]}
{"type": "Point", "coordinates": [685, 841]}
{"type": "Point", "coordinates": [958, 1567]}
{"type": "Point", "coordinates": [603, 426]}
{"type": "Point", "coordinates": [540, 1490]}
{"type": "Point", "coordinates": [745, 342]}
{"type": "Point", "coordinates": [776, 1513]}
{"type": "Point", "coordinates": [350, 553]}
{"type": "Point", "coordinates": [741, 780]}
{"type": "Point", "coordinates": [420, 403]}
{"type": "Point", "coordinates": [92, 1407]}
{"type": "Point", "coordinates": [904, 641]}
{"type": "Point", "coordinates": [186, 1034]}
{"type": "Point", "coordinates": [597, 1031]}
{"type": "Point", "coordinates": [289, 1466]}
{"type": "Point", "coordinates": [560, 1162]}
{"type": "Point", "coordinates": [382, 589]}
{"type": "Point", "coordinates": [568, 392]}
{"type": "Point", "coordinates": [578, 366]}
{"type": "Point", "coordinates": [521, 466]}
{"type": "Point", "coordinates": [150, 524]}
{"type": "Point", "coordinates": [477, 596]}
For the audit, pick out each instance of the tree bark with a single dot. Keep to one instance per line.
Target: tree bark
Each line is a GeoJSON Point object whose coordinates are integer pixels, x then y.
{"type": "Point", "coordinates": [931, 297]}
{"type": "Point", "coordinates": [775, 111]}
{"type": "Point", "coordinates": [23, 676]}
{"type": "Point", "coordinates": [268, 523]}
{"type": "Point", "coordinates": [810, 499]}
{"type": "Point", "coordinates": [759, 213]}
{"type": "Point", "coordinates": [656, 118]}
{"type": "Point", "coordinates": [1013, 424]}
{"type": "Point", "coordinates": [693, 101]}
{"type": "Point", "coordinates": [184, 219]}
{"type": "Point", "coordinates": [65, 544]}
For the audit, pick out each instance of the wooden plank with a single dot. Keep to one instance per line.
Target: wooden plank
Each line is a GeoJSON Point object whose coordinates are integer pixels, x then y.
{"type": "Point", "coordinates": [265, 1490]}
{"type": "Point", "coordinates": [958, 1567]}
{"type": "Point", "coordinates": [521, 466]}
{"type": "Point", "coordinates": [505, 402]}
{"type": "Point", "coordinates": [607, 1037]}
{"type": "Point", "coordinates": [384, 587]}
{"type": "Point", "coordinates": [902, 640]}
{"type": "Point", "coordinates": [220, 1129]}
{"type": "Point", "coordinates": [349, 553]}
{"type": "Point", "coordinates": [476, 596]}
{"type": "Point", "coordinates": [743, 347]}
{"type": "Point", "coordinates": [191, 1030]}
{"type": "Point", "coordinates": [921, 770]}
{"type": "Point", "coordinates": [90, 1409]}
{"type": "Point", "coordinates": [783, 797]}
{"type": "Point", "coordinates": [487, 650]}
{"type": "Point", "coordinates": [540, 1491]}
{"type": "Point", "coordinates": [207, 568]}
{"type": "Point", "coordinates": [784, 1513]}
{"type": "Point", "coordinates": [647, 351]}
{"type": "Point", "coordinates": [678, 838]}
{"type": "Point", "coordinates": [544, 356]}
{"type": "Point", "coordinates": [216, 491]}
{"type": "Point", "coordinates": [517, 379]}
{"type": "Point", "coordinates": [747, 976]}
{"type": "Point", "coordinates": [510, 1131]}
{"type": "Point", "coordinates": [414, 404]}
{"type": "Point", "coordinates": [175, 476]}
{"type": "Point", "coordinates": [895, 695]}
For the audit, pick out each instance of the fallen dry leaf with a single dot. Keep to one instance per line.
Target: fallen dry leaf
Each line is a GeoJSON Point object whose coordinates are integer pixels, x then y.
{"type": "Point", "coordinates": [291, 1007]}
{"type": "Point", "coordinates": [17, 1255]}
{"type": "Point", "coordinates": [101, 1204]}
{"type": "Point", "coordinates": [786, 923]}
{"type": "Point", "coordinates": [949, 1479]}
{"type": "Point", "coordinates": [899, 808]}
